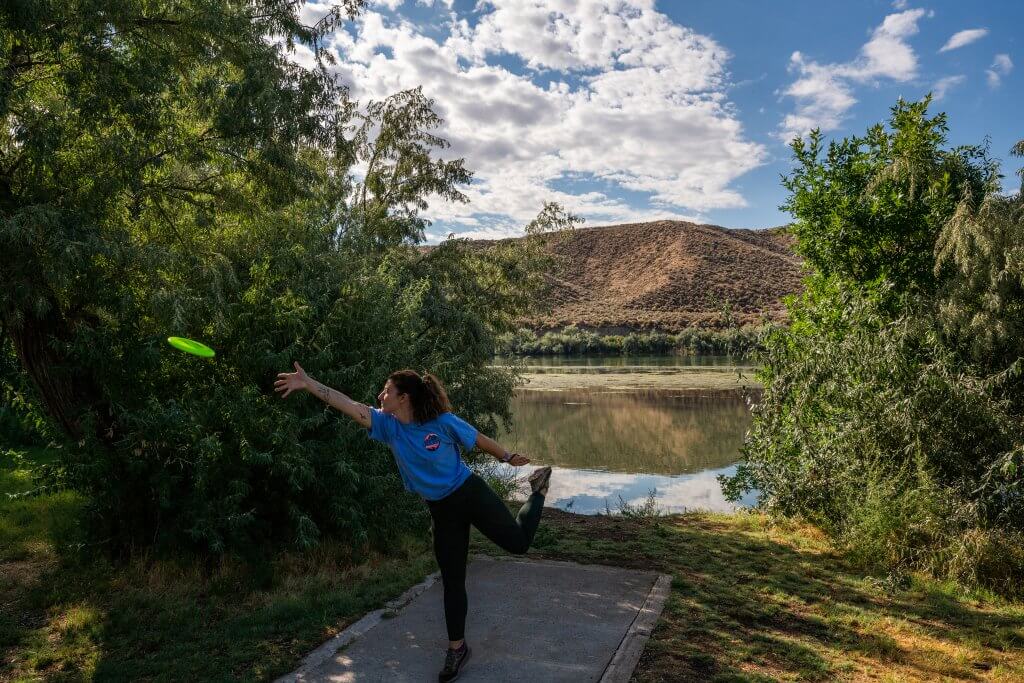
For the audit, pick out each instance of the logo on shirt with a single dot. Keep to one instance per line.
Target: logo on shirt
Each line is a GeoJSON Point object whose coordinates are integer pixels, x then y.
{"type": "Point", "coordinates": [431, 442]}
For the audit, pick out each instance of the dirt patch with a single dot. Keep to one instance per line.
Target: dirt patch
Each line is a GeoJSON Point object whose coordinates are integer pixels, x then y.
{"type": "Point", "coordinates": [17, 578]}
{"type": "Point", "coordinates": [605, 527]}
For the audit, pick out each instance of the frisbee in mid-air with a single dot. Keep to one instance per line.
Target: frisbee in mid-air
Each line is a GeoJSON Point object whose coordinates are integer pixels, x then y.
{"type": "Point", "coordinates": [193, 347]}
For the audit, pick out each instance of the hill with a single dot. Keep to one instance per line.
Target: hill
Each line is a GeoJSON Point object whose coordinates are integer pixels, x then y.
{"type": "Point", "coordinates": [668, 275]}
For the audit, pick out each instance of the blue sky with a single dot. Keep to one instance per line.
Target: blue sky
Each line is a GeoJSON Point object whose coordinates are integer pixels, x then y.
{"type": "Point", "coordinates": [635, 110]}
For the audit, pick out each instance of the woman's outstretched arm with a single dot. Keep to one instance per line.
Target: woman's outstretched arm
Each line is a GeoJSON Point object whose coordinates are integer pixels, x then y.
{"type": "Point", "coordinates": [300, 381]}
{"type": "Point", "coordinates": [489, 445]}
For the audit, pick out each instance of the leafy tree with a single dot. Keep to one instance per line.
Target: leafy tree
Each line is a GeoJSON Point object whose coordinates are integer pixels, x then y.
{"type": "Point", "coordinates": [395, 143]}
{"type": "Point", "coordinates": [870, 209]}
{"type": "Point", "coordinates": [981, 254]}
{"type": "Point", "coordinates": [893, 402]}
{"type": "Point", "coordinates": [167, 170]}
{"type": "Point", "coordinates": [134, 133]}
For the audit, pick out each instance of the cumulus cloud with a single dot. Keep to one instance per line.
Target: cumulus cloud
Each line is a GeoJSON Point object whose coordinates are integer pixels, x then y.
{"type": "Point", "coordinates": [965, 37]}
{"type": "Point", "coordinates": [944, 85]}
{"type": "Point", "coordinates": [572, 101]}
{"type": "Point", "coordinates": [1001, 66]}
{"type": "Point", "coordinates": [824, 92]}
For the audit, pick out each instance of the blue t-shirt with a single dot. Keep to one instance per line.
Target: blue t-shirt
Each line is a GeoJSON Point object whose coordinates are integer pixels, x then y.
{"type": "Point", "coordinates": [428, 454]}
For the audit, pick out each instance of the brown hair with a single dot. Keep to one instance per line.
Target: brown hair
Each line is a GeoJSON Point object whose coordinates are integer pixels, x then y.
{"type": "Point", "coordinates": [426, 393]}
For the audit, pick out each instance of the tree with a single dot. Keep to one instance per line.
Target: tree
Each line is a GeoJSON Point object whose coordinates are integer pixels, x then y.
{"type": "Point", "coordinates": [172, 172]}
{"type": "Point", "coordinates": [980, 257]}
{"type": "Point", "coordinates": [870, 209]}
{"type": "Point", "coordinates": [395, 142]}
{"type": "Point", "coordinates": [130, 133]}
{"type": "Point", "coordinates": [892, 403]}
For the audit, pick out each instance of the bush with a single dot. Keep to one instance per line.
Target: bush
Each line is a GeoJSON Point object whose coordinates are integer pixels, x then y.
{"type": "Point", "coordinates": [870, 428]}
{"type": "Point", "coordinates": [886, 418]}
{"type": "Point", "coordinates": [902, 524]}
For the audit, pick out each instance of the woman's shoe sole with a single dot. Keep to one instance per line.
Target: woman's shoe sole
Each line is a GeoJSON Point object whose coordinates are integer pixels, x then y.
{"type": "Point", "coordinates": [544, 473]}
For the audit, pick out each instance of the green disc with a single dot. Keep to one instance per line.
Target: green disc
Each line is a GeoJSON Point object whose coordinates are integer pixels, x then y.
{"type": "Point", "coordinates": [189, 346]}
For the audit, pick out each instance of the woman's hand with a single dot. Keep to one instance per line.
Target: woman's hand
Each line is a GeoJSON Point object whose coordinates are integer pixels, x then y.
{"type": "Point", "coordinates": [518, 460]}
{"type": "Point", "coordinates": [291, 381]}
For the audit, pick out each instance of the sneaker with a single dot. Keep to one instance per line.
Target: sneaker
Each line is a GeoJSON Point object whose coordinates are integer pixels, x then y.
{"type": "Point", "coordinates": [453, 661]}
{"type": "Point", "coordinates": [540, 479]}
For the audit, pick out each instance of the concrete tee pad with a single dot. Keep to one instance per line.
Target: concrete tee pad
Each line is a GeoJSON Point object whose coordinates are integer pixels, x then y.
{"type": "Point", "coordinates": [528, 620]}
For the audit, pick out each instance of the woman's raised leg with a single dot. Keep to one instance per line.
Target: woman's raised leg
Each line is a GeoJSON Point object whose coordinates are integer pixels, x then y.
{"type": "Point", "coordinates": [492, 517]}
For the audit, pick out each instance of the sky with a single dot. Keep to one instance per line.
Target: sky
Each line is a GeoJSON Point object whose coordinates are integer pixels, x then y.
{"type": "Point", "coordinates": [636, 110]}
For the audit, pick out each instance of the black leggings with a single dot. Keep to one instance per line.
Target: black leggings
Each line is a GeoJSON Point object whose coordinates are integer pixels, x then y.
{"type": "Point", "coordinates": [475, 503]}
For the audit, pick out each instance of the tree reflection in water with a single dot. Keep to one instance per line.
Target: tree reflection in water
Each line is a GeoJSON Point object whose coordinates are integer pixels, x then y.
{"type": "Point", "coordinates": [610, 444]}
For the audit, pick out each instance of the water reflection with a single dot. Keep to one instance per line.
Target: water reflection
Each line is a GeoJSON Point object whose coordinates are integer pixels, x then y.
{"type": "Point", "coordinates": [649, 431]}
{"type": "Point", "coordinates": [603, 445]}
{"type": "Point", "coordinates": [588, 492]}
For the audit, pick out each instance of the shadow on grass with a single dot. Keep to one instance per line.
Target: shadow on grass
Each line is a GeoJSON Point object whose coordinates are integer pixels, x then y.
{"type": "Point", "coordinates": [750, 602]}
{"type": "Point", "coordinates": [70, 615]}
{"type": "Point", "coordinates": [161, 621]}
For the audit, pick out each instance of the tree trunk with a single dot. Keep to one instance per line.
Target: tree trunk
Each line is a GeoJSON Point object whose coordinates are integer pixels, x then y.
{"type": "Point", "coordinates": [64, 392]}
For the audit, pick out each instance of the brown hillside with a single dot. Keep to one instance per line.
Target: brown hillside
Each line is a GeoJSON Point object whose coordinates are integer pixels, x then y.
{"type": "Point", "coordinates": [668, 275]}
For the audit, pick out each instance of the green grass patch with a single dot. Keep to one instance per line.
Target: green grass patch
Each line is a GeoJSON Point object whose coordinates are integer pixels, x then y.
{"type": "Point", "coordinates": [32, 526]}
{"type": "Point", "coordinates": [757, 600]}
{"type": "Point", "coordinates": [751, 600]}
{"type": "Point", "coordinates": [67, 618]}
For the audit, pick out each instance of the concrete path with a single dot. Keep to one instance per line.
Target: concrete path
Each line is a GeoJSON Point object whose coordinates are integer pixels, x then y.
{"type": "Point", "coordinates": [533, 621]}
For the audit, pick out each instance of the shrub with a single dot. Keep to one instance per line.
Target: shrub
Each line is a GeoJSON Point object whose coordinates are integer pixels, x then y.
{"type": "Point", "coordinates": [886, 418]}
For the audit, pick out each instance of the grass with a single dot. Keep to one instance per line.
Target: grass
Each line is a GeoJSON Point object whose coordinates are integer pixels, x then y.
{"type": "Point", "coordinates": [751, 600]}
{"type": "Point", "coordinates": [63, 618]}
{"type": "Point", "coordinates": [754, 600]}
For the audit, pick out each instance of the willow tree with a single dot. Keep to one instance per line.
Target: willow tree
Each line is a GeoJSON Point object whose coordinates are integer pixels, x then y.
{"type": "Point", "coordinates": [131, 129]}
{"type": "Point", "coordinates": [168, 170]}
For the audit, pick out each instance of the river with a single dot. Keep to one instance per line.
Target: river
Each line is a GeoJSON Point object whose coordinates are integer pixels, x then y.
{"type": "Point", "coordinates": [620, 429]}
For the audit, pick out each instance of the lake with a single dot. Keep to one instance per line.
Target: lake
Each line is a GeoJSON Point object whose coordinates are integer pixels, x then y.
{"type": "Point", "coordinates": [614, 429]}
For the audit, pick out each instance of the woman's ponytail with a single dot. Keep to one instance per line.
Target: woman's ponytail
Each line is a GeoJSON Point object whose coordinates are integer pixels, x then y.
{"type": "Point", "coordinates": [427, 394]}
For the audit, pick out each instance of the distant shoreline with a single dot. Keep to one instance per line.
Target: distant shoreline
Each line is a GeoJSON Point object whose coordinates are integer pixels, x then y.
{"type": "Point", "coordinates": [684, 379]}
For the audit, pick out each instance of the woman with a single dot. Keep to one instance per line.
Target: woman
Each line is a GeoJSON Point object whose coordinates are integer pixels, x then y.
{"type": "Point", "coordinates": [416, 421]}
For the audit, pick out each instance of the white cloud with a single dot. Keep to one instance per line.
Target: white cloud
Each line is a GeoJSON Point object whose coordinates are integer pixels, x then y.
{"type": "Point", "coordinates": [944, 85]}
{"type": "Point", "coordinates": [1002, 65]}
{"type": "Point", "coordinates": [824, 92]}
{"type": "Point", "coordinates": [900, 4]}
{"type": "Point", "coordinates": [613, 96]}
{"type": "Point", "coordinates": [965, 37]}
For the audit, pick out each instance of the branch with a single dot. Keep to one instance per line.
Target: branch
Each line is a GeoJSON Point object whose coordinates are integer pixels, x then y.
{"type": "Point", "coordinates": [21, 66]}
{"type": "Point", "coordinates": [25, 84]}
{"type": "Point", "coordinates": [170, 224]}
{"type": "Point", "coordinates": [201, 139]}
{"type": "Point", "coordinates": [154, 21]}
